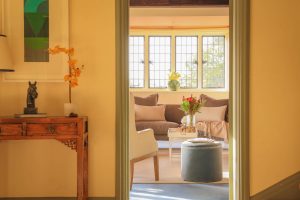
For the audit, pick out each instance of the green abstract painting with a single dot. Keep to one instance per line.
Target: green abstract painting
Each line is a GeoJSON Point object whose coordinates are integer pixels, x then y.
{"type": "Point", "coordinates": [36, 30]}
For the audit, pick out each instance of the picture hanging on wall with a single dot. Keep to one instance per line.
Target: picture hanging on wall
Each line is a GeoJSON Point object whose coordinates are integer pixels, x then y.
{"type": "Point", "coordinates": [36, 30]}
{"type": "Point", "coordinates": [32, 26]}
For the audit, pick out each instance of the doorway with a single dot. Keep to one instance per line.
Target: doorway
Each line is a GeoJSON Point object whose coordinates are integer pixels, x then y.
{"type": "Point", "coordinates": [238, 96]}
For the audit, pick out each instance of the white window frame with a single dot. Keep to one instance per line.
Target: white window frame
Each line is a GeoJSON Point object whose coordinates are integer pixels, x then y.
{"type": "Point", "coordinates": [226, 71]}
{"type": "Point", "coordinates": [148, 59]}
{"type": "Point", "coordinates": [197, 75]}
{"type": "Point", "coordinates": [145, 74]}
{"type": "Point", "coordinates": [173, 33]}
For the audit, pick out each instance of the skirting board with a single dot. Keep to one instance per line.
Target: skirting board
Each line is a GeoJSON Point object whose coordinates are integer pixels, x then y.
{"type": "Point", "coordinates": [56, 198]}
{"type": "Point", "coordinates": [287, 189]}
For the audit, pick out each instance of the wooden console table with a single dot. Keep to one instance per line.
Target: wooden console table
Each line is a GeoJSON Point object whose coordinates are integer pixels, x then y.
{"type": "Point", "coordinates": [72, 132]}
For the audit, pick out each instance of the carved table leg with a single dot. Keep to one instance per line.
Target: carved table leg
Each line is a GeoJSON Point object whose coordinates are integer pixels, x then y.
{"type": "Point", "coordinates": [80, 167]}
{"type": "Point", "coordinates": [82, 185]}
{"type": "Point", "coordinates": [85, 169]}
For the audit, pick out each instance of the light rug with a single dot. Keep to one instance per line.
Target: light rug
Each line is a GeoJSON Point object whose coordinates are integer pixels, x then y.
{"type": "Point", "coordinates": [179, 192]}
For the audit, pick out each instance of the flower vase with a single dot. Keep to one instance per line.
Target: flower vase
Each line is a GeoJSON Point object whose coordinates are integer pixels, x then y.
{"type": "Point", "coordinates": [70, 109]}
{"type": "Point", "coordinates": [191, 122]}
{"type": "Point", "coordinates": [173, 85]}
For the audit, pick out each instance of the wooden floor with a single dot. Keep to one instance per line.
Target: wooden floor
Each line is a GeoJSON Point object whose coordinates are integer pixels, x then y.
{"type": "Point", "coordinates": [169, 169]}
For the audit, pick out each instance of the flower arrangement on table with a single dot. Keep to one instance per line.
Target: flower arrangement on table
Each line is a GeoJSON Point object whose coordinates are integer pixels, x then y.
{"type": "Point", "coordinates": [190, 106]}
{"type": "Point", "coordinates": [174, 83]}
{"type": "Point", "coordinates": [73, 73]}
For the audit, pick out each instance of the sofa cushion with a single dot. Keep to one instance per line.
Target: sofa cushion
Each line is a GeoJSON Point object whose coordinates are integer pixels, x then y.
{"type": "Point", "coordinates": [211, 102]}
{"type": "Point", "coordinates": [173, 113]}
{"type": "Point", "coordinates": [149, 113]}
{"type": "Point", "coordinates": [159, 127]}
{"type": "Point", "coordinates": [211, 114]}
{"type": "Point", "coordinates": [150, 100]}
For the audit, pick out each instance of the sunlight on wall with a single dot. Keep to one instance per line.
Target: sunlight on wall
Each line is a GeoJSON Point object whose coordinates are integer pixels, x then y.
{"type": "Point", "coordinates": [48, 168]}
{"type": "Point", "coordinates": [274, 92]}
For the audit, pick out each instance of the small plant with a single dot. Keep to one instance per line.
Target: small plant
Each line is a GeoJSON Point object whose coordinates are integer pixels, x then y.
{"type": "Point", "coordinates": [74, 71]}
{"type": "Point", "coordinates": [174, 83]}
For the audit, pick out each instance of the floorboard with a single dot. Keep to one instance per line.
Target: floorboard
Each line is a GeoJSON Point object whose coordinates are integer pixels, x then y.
{"type": "Point", "coordinates": [169, 169]}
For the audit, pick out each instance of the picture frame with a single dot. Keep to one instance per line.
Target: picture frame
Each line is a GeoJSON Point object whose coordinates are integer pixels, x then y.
{"type": "Point", "coordinates": [12, 25]}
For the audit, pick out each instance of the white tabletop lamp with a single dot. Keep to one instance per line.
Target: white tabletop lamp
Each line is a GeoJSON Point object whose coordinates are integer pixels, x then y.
{"type": "Point", "coordinates": [5, 57]}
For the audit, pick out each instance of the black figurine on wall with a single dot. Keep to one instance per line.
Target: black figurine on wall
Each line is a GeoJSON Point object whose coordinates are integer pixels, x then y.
{"type": "Point", "coordinates": [31, 96]}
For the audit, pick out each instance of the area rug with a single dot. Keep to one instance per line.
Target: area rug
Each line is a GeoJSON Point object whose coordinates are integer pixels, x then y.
{"type": "Point", "coordinates": [179, 192]}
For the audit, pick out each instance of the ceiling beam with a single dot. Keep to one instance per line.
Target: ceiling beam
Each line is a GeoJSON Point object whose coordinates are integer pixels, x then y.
{"type": "Point", "coordinates": [149, 3]}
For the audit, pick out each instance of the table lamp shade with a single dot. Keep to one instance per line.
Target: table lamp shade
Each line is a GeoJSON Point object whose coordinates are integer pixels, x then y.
{"type": "Point", "coordinates": [5, 57]}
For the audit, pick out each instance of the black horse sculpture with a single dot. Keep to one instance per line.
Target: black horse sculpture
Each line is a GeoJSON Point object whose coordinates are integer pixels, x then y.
{"type": "Point", "coordinates": [31, 96]}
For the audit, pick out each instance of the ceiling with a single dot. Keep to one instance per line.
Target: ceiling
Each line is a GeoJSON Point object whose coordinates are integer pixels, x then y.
{"type": "Point", "coordinates": [164, 3]}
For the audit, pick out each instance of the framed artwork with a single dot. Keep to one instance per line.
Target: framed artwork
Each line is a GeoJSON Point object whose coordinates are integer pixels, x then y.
{"type": "Point", "coordinates": [32, 26]}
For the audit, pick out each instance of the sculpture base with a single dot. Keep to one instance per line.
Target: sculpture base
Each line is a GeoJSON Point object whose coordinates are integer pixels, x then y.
{"type": "Point", "coordinates": [30, 115]}
{"type": "Point", "coordinates": [30, 110]}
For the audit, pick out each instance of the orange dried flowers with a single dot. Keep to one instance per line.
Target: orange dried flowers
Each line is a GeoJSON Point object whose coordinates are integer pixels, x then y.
{"type": "Point", "coordinates": [74, 71]}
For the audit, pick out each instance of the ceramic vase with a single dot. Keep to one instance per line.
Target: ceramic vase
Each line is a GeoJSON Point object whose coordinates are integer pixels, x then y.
{"type": "Point", "coordinates": [69, 108]}
{"type": "Point", "coordinates": [173, 85]}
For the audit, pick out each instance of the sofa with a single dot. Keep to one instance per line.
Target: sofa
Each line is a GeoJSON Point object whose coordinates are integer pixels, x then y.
{"type": "Point", "coordinates": [173, 116]}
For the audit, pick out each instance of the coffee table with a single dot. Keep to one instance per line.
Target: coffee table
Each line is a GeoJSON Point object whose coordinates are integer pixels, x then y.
{"type": "Point", "coordinates": [177, 135]}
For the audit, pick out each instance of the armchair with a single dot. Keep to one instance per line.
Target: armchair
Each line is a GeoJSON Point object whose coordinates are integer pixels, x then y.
{"type": "Point", "coordinates": [142, 144]}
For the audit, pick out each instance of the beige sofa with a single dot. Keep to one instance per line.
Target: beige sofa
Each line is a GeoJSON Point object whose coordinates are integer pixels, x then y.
{"type": "Point", "coordinates": [174, 115]}
{"type": "Point", "coordinates": [173, 120]}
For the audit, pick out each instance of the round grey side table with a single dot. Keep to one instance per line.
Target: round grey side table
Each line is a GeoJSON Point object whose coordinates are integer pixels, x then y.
{"type": "Point", "coordinates": [201, 162]}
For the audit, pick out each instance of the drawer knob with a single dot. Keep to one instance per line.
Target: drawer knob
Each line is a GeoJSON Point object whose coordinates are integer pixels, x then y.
{"type": "Point", "coordinates": [51, 129]}
{"type": "Point", "coordinates": [72, 125]}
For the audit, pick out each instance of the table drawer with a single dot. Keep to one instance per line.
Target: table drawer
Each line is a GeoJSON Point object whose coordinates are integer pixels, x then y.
{"type": "Point", "coordinates": [10, 129]}
{"type": "Point", "coordinates": [52, 129]}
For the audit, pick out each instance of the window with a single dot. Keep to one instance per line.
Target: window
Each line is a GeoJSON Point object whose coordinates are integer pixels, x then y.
{"type": "Point", "coordinates": [136, 61]}
{"type": "Point", "coordinates": [187, 60]}
{"type": "Point", "coordinates": [199, 56]}
{"type": "Point", "coordinates": [159, 61]}
{"type": "Point", "coordinates": [213, 62]}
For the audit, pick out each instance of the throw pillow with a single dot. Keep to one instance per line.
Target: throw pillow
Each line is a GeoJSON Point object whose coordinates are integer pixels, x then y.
{"type": "Point", "coordinates": [150, 113]}
{"type": "Point", "coordinates": [211, 114]}
{"type": "Point", "coordinates": [150, 100]}
{"type": "Point", "coordinates": [211, 102]}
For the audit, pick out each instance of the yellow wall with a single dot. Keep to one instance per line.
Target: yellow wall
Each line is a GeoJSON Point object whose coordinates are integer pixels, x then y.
{"type": "Point", "coordinates": [179, 17]}
{"type": "Point", "coordinates": [170, 97]}
{"type": "Point", "coordinates": [274, 92]}
{"type": "Point", "coordinates": [0, 18]}
{"type": "Point", "coordinates": [48, 168]}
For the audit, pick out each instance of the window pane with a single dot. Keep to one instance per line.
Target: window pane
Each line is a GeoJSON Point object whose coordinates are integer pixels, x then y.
{"type": "Point", "coordinates": [159, 61]}
{"type": "Point", "coordinates": [213, 62]}
{"type": "Point", "coordinates": [136, 61]}
{"type": "Point", "coordinates": [187, 60]}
